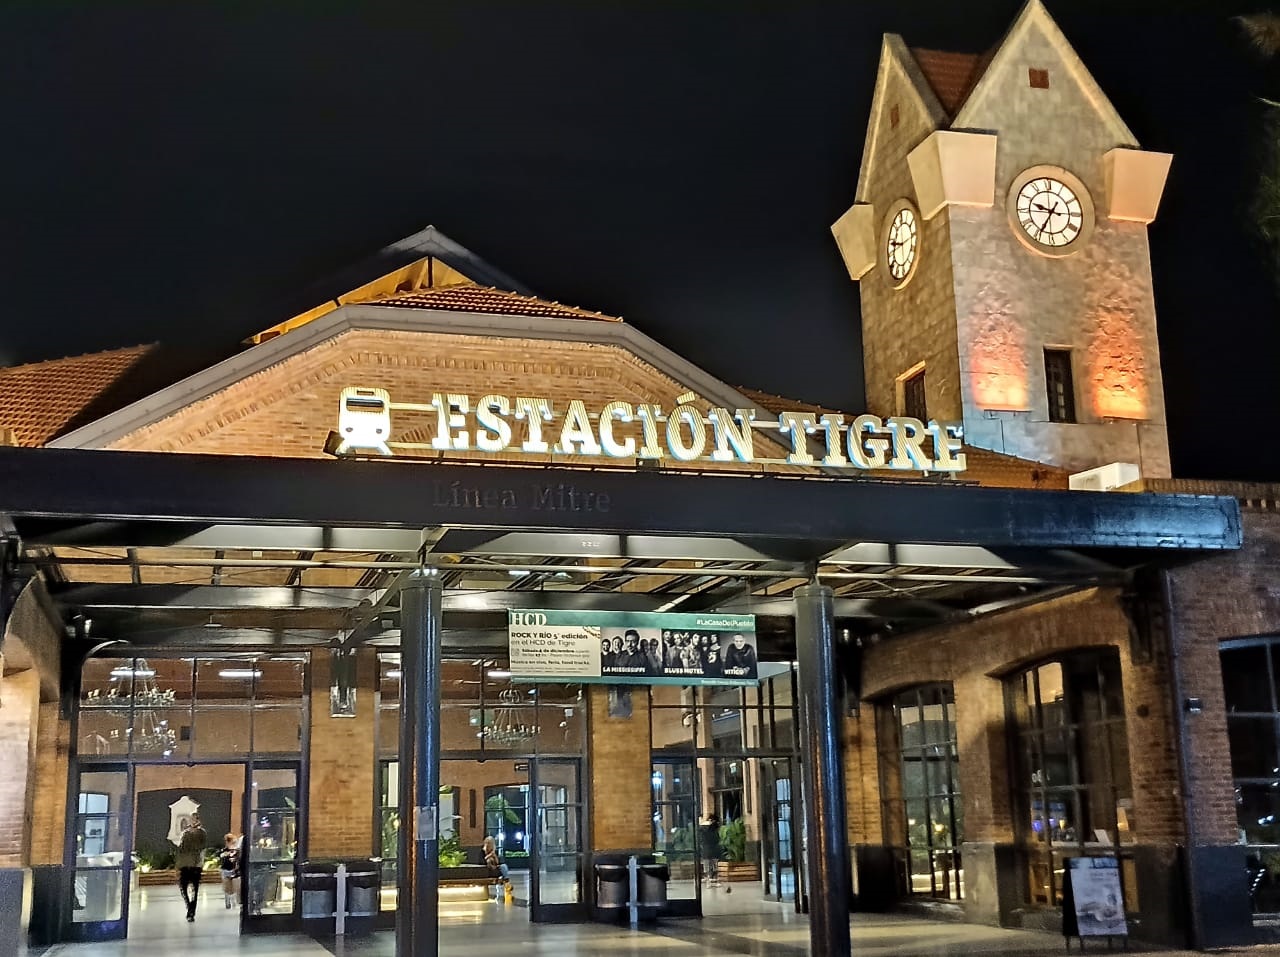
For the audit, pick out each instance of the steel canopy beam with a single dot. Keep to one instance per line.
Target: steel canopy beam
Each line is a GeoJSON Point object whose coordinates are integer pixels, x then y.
{"type": "Point", "coordinates": [144, 486]}
{"type": "Point", "coordinates": [213, 597]}
{"type": "Point", "coordinates": [127, 534]}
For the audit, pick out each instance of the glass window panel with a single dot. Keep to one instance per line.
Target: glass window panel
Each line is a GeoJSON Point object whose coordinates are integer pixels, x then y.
{"type": "Point", "coordinates": [169, 686]}
{"type": "Point", "coordinates": [225, 681]}
{"type": "Point", "coordinates": [783, 727]}
{"type": "Point", "coordinates": [161, 733]}
{"type": "Point", "coordinates": [1053, 711]}
{"type": "Point", "coordinates": [559, 853]}
{"type": "Point", "coordinates": [280, 678]}
{"type": "Point", "coordinates": [271, 842]}
{"type": "Point", "coordinates": [1057, 766]}
{"type": "Point", "coordinates": [913, 776]}
{"type": "Point", "coordinates": [1245, 681]}
{"type": "Point", "coordinates": [460, 682]}
{"type": "Point", "coordinates": [389, 731]}
{"type": "Point", "coordinates": [671, 696]}
{"type": "Point", "coordinates": [917, 823]}
{"type": "Point", "coordinates": [1258, 812]}
{"type": "Point", "coordinates": [97, 896]}
{"type": "Point", "coordinates": [561, 720]}
{"type": "Point", "coordinates": [910, 722]}
{"type": "Point", "coordinates": [103, 732]}
{"type": "Point", "coordinates": [940, 822]}
{"type": "Point", "coordinates": [277, 730]}
{"type": "Point", "coordinates": [389, 677]}
{"type": "Point", "coordinates": [1063, 817]}
{"type": "Point", "coordinates": [720, 727]}
{"type": "Point", "coordinates": [460, 729]}
{"type": "Point", "coordinates": [672, 728]}
{"type": "Point", "coordinates": [106, 682]}
{"type": "Point", "coordinates": [221, 731]}
{"type": "Point", "coordinates": [1253, 747]}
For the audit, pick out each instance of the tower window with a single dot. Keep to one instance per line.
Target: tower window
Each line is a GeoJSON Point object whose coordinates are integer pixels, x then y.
{"type": "Point", "coordinates": [1059, 385]}
{"type": "Point", "coordinates": [913, 400]}
{"type": "Point", "coordinates": [1039, 79]}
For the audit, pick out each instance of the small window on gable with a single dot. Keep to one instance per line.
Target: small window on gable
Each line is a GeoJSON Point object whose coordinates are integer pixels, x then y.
{"type": "Point", "coordinates": [913, 400]}
{"type": "Point", "coordinates": [893, 117]}
{"type": "Point", "coordinates": [1039, 78]}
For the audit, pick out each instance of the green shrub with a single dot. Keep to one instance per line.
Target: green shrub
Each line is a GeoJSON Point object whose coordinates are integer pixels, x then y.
{"type": "Point", "coordinates": [733, 841]}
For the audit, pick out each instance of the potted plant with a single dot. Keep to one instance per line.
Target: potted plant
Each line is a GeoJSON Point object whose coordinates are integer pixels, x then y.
{"type": "Point", "coordinates": [733, 864]}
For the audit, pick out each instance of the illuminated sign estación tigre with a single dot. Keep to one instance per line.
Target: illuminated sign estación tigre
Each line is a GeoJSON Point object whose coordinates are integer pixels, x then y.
{"type": "Point", "coordinates": [643, 431]}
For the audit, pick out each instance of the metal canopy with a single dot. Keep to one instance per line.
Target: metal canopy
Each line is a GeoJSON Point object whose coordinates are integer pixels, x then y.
{"type": "Point", "coordinates": [195, 550]}
{"type": "Point", "coordinates": [98, 486]}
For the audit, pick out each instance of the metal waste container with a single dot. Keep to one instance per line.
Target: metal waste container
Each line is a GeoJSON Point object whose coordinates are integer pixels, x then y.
{"type": "Point", "coordinates": [364, 885]}
{"type": "Point", "coordinates": [652, 881]}
{"type": "Point", "coordinates": [613, 886]}
{"type": "Point", "coordinates": [317, 887]}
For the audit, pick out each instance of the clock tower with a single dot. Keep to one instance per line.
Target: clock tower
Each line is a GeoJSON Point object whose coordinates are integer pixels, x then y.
{"type": "Point", "coordinates": [999, 240]}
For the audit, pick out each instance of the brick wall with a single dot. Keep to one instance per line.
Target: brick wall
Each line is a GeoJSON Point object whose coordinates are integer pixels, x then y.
{"type": "Point", "coordinates": [1233, 595]}
{"type": "Point", "coordinates": [19, 716]}
{"type": "Point", "coordinates": [916, 323]}
{"type": "Point", "coordinates": [49, 815]}
{"type": "Point", "coordinates": [975, 656]}
{"type": "Point", "coordinates": [621, 788]}
{"type": "Point", "coordinates": [342, 761]}
{"type": "Point", "coordinates": [289, 408]}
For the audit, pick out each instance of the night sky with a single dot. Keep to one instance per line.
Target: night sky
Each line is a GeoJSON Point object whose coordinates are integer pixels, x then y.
{"type": "Point", "coordinates": [177, 171]}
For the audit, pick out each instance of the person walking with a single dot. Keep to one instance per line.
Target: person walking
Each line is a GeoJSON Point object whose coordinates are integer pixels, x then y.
{"type": "Point", "coordinates": [190, 862]}
{"type": "Point", "coordinates": [711, 849]}
{"type": "Point", "coordinates": [229, 868]}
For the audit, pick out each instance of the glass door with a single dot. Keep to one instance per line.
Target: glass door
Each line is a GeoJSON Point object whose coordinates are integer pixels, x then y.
{"type": "Point", "coordinates": [556, 894]}
{"type": "Point", "coordinates": [675, 831]}
{"type": "Point", "coordinates": [776, 832]}
{"type": "Point", "coordinates": [102, 855]}
{"type": "Point", "coordinates": [271, 847]}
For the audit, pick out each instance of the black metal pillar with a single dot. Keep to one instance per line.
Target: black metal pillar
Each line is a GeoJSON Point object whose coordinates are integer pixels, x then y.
{"type": "Point", "coordinates": [823, 774]}
{"type": "Point", "coordinates": [417, 911]}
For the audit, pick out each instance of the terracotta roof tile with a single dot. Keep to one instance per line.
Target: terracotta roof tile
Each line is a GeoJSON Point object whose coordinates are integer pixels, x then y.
{"type": "Point", "coordinates": [39, 400]}
{"type": "Point", "coordinates": [488, 300]}
{"type": "Point", "coordinates": [43, 400]}
{"type": "Point", "coordinates": [984, 466]}
{"type": "Point", "coordinates": [951, 75]}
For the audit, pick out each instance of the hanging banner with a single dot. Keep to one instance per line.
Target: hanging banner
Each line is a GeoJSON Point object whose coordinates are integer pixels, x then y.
{"type": "Point", "coordinates": [632, 647]}
{"type": "Point", "coordinates": [1093, 904]}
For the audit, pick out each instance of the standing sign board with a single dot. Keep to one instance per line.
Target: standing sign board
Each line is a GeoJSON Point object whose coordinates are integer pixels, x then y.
{"type": "Point", "coordinates": [632, 647]}
{"type": "Point", "coordinates": [1092, 902]}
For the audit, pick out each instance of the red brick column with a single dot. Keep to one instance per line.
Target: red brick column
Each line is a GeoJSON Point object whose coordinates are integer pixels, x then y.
{"type": "Point", "coordinates": [342, 766]}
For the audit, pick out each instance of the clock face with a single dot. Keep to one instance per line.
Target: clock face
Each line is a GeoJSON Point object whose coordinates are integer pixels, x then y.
{"type": "Point", "coordinates": [900, 250]}
{"type": "Point", "coordinates": [1049, 212]}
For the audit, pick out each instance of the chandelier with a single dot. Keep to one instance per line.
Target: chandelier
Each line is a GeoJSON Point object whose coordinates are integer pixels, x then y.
{"type": "Point", "coordinates": [148, 733]}
{"type": "Point", "coordinates": [510, 725]}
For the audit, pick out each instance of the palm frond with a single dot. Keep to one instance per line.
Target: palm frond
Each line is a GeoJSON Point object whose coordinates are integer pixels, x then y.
{"type": "Point", "coordinates": [1263, 31]}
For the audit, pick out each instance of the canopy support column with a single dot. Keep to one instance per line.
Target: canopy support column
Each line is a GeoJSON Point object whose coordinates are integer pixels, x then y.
{"type": "Point", "coordinates": [822, 765]}
{"type": "Point", "coordinates": [417, 918]}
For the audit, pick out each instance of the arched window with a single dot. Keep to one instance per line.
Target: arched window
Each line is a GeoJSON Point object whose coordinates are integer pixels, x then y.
{"type": "Point", "coordinates": [1071, 767]}
{"type": "Point", "coordinates": [1250, 671]}
{"type": "Point", "coordinates": [921, 789]}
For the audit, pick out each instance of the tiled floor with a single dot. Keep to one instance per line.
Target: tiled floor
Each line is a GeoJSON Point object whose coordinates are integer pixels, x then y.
{"type": "Point", "coordinates": [499, 931]}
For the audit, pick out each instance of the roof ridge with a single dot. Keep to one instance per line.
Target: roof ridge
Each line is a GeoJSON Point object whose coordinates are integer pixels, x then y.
{"type": "Point", "coordinates": [472, 288]}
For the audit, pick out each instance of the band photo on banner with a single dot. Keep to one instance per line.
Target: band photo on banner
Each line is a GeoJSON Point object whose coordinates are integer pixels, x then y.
{"type": "Point", "coordinates": [633, 647]}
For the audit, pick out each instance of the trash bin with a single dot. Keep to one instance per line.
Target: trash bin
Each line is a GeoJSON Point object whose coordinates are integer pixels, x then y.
{"type": "Point", "coordinates": [364, 885]}
{"type": "Point", "coordinates": [612, 886]}
{"type": "Point", "coordinates": [652, 881]}
{"type": "Point", "coordinates": [317, 888]}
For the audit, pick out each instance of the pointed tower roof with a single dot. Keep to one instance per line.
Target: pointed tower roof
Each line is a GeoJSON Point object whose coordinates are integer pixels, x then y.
{"type": "Point", "coordinates": [426, 270]}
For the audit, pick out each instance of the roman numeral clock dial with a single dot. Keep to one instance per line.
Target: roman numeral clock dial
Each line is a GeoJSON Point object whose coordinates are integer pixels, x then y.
{"type": "Point", "coordinates": [1049, 212]}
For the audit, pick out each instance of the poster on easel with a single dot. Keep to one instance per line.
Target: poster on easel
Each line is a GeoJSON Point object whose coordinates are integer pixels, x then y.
{"type": "Point", "coordinates": [1092, 902]}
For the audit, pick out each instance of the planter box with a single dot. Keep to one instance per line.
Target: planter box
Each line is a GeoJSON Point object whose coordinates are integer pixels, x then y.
{"type": "Point", "coordinates": [738, 871]}
{"type": "Point", "coordinates": [156, 878]}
